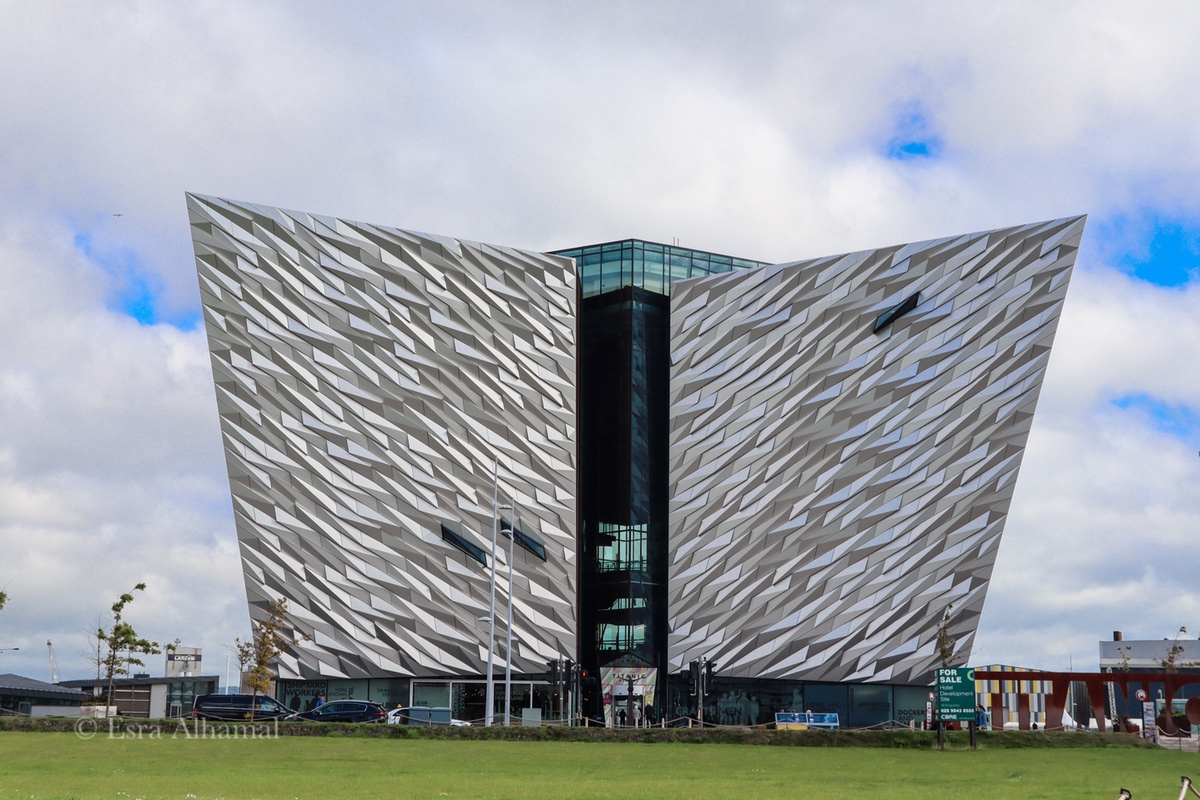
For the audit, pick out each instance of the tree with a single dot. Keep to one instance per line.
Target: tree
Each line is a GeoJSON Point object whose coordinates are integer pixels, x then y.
{"type": "Point", "coordinates": [122, 643]}
{"type": "Point", "coordinates": [93, 656]}
{"type": "Point", "coordinates": [243, 656]}
{"type": "Point", "coordinates": [1171, 662]}
{"type": "Point", "coordinates": [267, 642]}
{"type": "Point", "coordinates": [3, 598]}
{"type": "Point", "coordinates": [1125, 650]}
{"type": "Point", "coordinates": [945, 644]}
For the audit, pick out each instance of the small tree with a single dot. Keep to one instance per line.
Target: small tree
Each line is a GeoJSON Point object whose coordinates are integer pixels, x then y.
{"type": "Point", "coordinates": [243, 656]}
{"type": "Point", "coordinates": [93, 656]}
{"type": "Point", "coordinates": [945, 643]}
{"type": "Point", "coordinates": [1125, 650]}
{"type": "Point", "coordinates": [122, 643]}
{"type": "Point", "coordinates": [1171, 662]}
{"type": "Point", "coordinates": [266, 644]}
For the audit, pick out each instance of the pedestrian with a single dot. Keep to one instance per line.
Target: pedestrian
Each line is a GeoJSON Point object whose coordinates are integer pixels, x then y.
{"type": "Point", "coordinates": [320, 701]}
{"type": "Point", "coordinates": [621, 718]}
{"type": "Point", "coordinates": [981, 718]}
{"type": "Point", "coordinates": [649, 716]}
{"type": "Point", "coordinates": [637, 716]}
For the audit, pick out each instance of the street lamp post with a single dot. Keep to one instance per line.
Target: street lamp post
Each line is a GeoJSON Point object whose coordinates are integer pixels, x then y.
{"type": "Point", "coordinates": [491, 617]}
{"type": "Point", "coordinates": [512, 538]}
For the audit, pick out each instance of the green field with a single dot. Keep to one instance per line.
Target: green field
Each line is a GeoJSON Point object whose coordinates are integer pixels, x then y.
{"type": "Point", "coordinates": [59, 765]}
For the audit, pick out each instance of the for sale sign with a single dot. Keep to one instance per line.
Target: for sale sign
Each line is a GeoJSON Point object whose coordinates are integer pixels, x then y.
{"type": "Point", "coordinates": [956, 694]}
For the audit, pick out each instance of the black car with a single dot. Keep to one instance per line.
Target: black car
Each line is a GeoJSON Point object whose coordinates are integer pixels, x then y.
{"type": "Point", "coordinates": [231, 707]}
{"type": "Point", "coordinates": [346, 711]}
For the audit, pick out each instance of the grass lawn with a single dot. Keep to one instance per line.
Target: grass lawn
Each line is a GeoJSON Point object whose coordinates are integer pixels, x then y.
{"type": "Point", "coordinates": [60, 765]}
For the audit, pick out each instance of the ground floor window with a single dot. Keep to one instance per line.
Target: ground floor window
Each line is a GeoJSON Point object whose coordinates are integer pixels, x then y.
{"type": "Point", "coordinates": [466, 699]}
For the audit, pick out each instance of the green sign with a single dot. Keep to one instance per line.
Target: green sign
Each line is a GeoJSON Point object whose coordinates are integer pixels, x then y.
{"type": "Point", "coordinates": [956, 694]}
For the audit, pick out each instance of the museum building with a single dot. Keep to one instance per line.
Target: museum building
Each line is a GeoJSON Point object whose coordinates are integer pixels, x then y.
{"type": "Point", "coordinates": [791, 470]}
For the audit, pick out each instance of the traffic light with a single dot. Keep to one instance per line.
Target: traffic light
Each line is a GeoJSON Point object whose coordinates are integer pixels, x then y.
{"type": "Point", "coordinates": [710, 676]}
{"type": "Point", "coordinates": [554, 672]}
{"type": "Point", "coordinates": [694, 677]}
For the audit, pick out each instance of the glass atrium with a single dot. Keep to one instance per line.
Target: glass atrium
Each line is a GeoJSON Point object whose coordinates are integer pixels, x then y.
{"type": "Point", "coordinates": [647, 265]}
{"type": "Point", "coordinates": [624, 417]}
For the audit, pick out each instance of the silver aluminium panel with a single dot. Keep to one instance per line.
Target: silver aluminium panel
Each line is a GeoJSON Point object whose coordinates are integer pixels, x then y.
{"type": "Point", "coordinates": [366, 378]}
{"type": "Point", "coordinates": [836, 488]}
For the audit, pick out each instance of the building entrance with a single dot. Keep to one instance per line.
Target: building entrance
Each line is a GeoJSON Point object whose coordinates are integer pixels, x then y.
{"type": "Point", "coordinates": [628, 695]}
{"type": "Point", "coordinates": [628, 711]}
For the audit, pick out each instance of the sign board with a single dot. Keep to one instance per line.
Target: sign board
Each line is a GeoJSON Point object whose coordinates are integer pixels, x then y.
{"type": "Point", "coordinates": [184, 662]}
{"type": "Point", "coordinates": [956, 694]}
{"type": "Point", "coordinates": [794, 721]}
{"type": "Point", "coordinates": [1142, 695]}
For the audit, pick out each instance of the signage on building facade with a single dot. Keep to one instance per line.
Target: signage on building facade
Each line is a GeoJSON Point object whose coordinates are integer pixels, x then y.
{"type": "Point", "coordinates": [956, 694]}
{"type": "Point", "coordinates": [183, 662]}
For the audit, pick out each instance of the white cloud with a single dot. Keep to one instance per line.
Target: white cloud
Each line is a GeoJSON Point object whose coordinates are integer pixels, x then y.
{"type": "Point", "coordinates": [110, 471]}
{"type": "Point", "coordinates": [759, 130]}
{"type": "Point", "coordinates": [1102, 531]}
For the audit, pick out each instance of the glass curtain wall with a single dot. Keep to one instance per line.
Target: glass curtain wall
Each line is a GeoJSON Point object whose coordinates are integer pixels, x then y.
{"type": "Point", "coordinates": [624, 381]}
{"type": "Point", "coordinates": [646, 265]}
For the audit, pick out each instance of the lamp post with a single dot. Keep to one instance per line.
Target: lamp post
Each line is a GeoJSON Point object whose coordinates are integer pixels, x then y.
{"type": "Point", "coordinates": [512, 538]}
{"type": "Point", "coordinates": [491, 617]}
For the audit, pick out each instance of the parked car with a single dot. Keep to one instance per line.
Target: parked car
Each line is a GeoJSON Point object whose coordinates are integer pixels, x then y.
{"type": "Point", "coordinates": [346, 711]}
{"type": "Point", "coordinates": [423, 715]}
{"type": "Point", "coordinates": [237, 707]}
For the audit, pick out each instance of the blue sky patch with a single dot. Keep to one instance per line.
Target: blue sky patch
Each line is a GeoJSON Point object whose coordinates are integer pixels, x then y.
{"type": "Point", "coordinates": [1162, 251]}
{"type": "Point", "coordinates": [133, 290]}
{"type": "Point", "coordinates": [913, 136]}
{"type": "Point", "coordinates": [1176, 420]}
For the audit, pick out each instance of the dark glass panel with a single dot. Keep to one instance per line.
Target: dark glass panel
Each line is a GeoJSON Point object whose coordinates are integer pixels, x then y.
{"type": "Point", "coordinates": [623, 477]}
{"type": "Point", "coordinates": [870, 706]}
{"type": "Point", "coordinates": [896, 312]}
{"type": "Point", "coordinates": [525, 539]}
{"type": "Point", "coordinates": [455, 538]}
{"type": "Point", "coordinates": [827, 698]}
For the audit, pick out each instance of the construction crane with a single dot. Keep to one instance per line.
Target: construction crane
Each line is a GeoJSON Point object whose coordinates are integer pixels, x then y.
{"type": "Point", "coordinates": [53, 663]}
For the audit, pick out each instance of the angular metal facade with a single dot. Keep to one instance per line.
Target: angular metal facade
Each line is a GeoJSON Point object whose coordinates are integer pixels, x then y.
{"type": "Point", "coordinates": [845, 437]}
{"type": "Point", "coordinates": [366, 378]}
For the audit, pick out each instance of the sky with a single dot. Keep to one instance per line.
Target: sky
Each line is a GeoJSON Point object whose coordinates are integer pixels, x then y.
{"type": "Point", "coordinates": [774, 131]}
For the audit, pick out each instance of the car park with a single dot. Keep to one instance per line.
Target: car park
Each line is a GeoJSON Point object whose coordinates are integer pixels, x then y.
{"type": "Point", "coordinates": [239, 707]}
{"type": "Point", "coordinates": [346, 711]}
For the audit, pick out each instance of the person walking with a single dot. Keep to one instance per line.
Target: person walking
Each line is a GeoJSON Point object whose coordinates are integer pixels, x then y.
{"type": "Point", "coordinates": [981, 718]}
{"type": "Point", "coordinates": [637, 716]}
{"type": "Point", "coordinates": [621, 718]}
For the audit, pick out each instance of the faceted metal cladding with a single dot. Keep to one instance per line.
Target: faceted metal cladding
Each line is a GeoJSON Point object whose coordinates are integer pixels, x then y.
{"type": "Point", "coordinates": [835, 489]}
{"type": "Point", "coordinates": [366, 377]}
